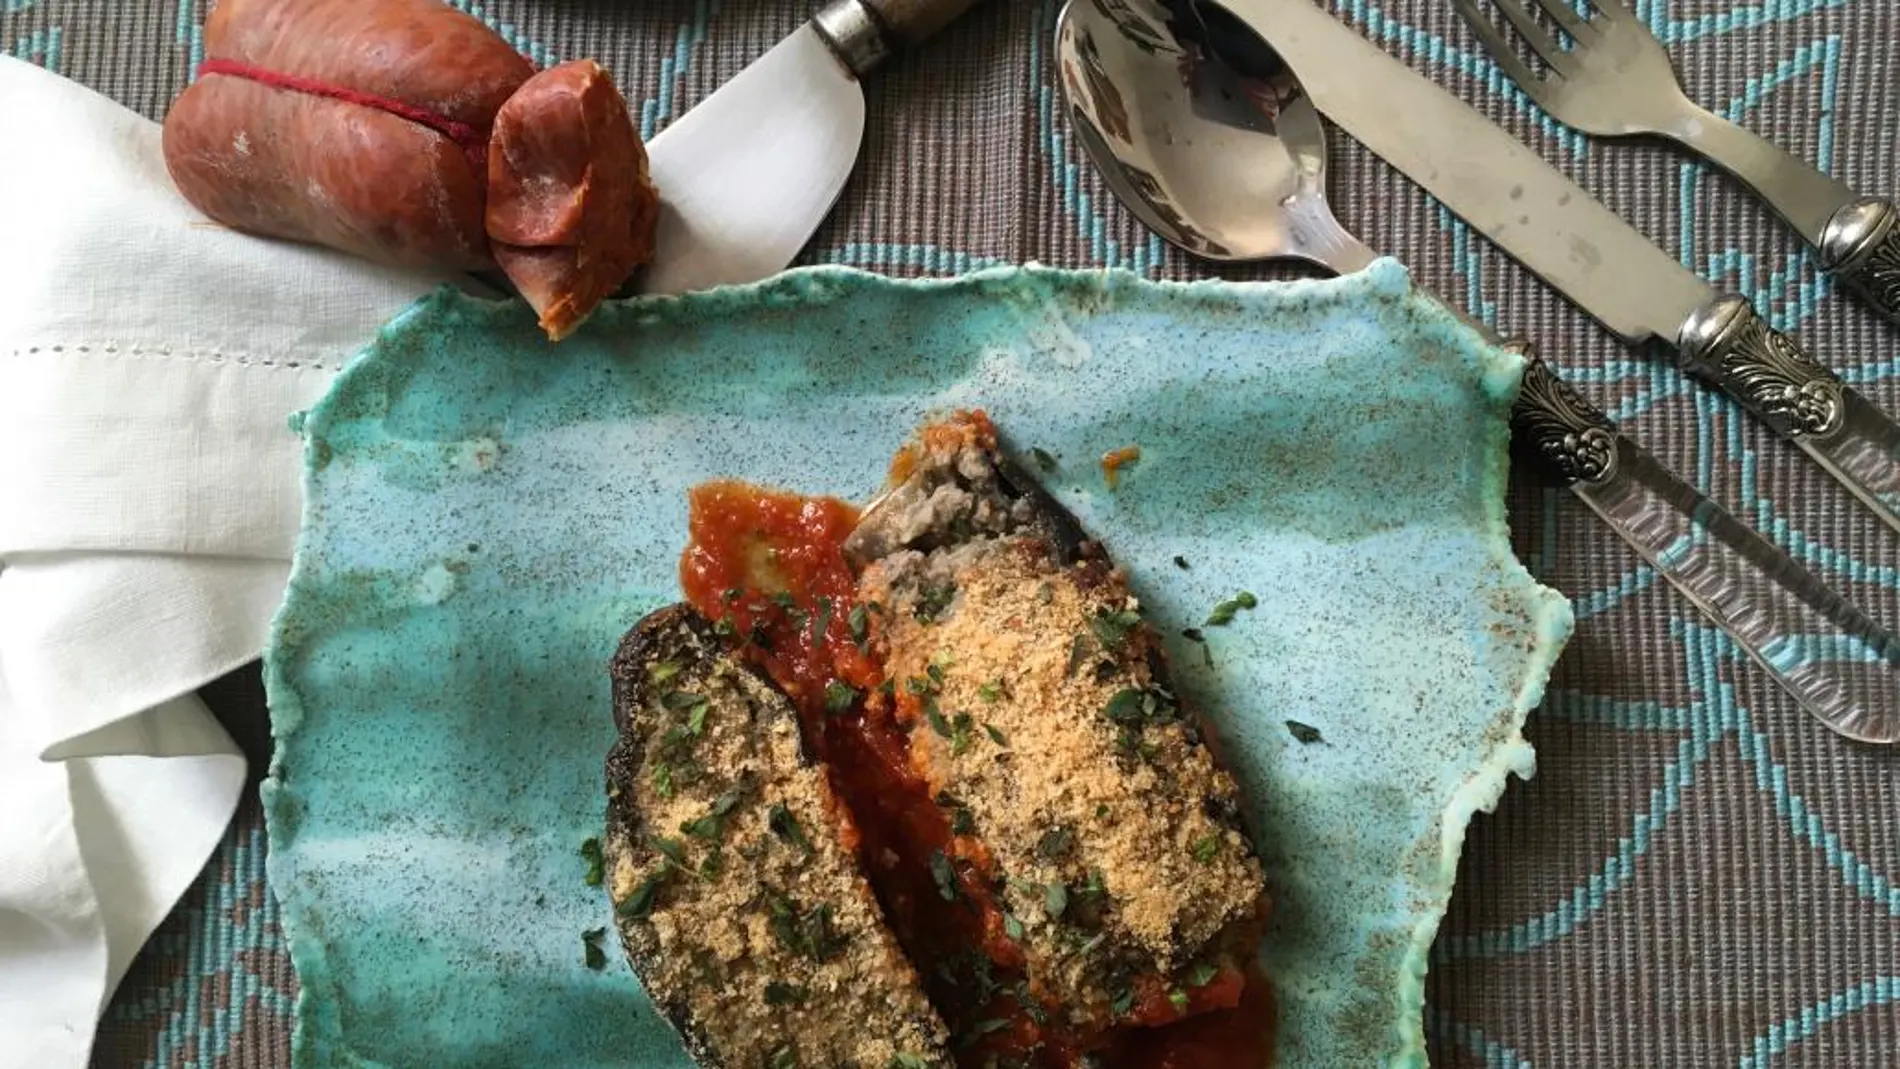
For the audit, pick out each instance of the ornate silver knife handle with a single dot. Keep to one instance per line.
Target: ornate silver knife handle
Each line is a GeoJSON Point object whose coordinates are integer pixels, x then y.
{"type": "Point", "coordinates": [1861, 247]}
{"type": "Point", "coordinates": [1837, 663]}
{"type": "Point", "coordinates": [1727, 344]}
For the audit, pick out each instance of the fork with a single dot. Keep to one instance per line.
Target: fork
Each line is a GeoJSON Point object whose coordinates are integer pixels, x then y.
{"type": "Point", "coordinates": [1615, 80]}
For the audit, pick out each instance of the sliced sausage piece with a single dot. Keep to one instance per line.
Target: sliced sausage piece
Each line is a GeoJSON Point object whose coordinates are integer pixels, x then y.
{"type": "Point", "coordinates": [570, 207]}
{"type": "Point", "coordinates": [734, 874]}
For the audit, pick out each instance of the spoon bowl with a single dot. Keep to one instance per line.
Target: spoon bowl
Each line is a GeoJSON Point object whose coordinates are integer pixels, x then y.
{"type": "Point", "coordinates": [1195, 129]}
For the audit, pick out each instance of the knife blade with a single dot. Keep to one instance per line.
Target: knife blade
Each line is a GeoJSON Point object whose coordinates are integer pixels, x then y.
{"type": "Point", "coordinates": [746, 175]}
{"type": "Point", "coordinates": [1565, 236]}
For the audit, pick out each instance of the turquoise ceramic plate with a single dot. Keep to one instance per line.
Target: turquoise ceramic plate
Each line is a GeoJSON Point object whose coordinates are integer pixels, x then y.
{"type": "Point", "coordinates": [486, 515]}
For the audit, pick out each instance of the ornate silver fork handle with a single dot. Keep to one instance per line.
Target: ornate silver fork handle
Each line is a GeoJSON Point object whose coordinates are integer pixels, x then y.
{"type": "Point", "coordinates": [1729, 345]}
{"type": "Point", "coordinates": [1861, 247]}
{"type": "Point", "coordinates": [1858, 238]}
{"type": "Point", "coordinates": [1839, 664]}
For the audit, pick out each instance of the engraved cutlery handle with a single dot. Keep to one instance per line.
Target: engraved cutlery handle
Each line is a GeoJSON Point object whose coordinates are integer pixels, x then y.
{"type": "Point", "coordinates": [1861, 247]}
{"type": "Point", "coordinates": [1727, 344]}
{"type": "Point", "coordinates": [1837, 663]}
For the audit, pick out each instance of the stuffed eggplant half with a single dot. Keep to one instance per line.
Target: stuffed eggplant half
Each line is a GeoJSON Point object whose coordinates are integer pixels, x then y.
{"type": "Point", "coordinates": [1031, 854]}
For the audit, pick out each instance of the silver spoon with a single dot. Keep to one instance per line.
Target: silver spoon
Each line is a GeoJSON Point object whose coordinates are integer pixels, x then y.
{"type": "Point", "coordinates": [1205, 135]}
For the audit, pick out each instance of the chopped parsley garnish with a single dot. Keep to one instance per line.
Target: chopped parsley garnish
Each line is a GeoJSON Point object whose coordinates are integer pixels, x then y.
{"type": "Point", "coordinates": [675, 700]}
{"type": "Point", "coordinates": [1055, 844]}
{"type": "Point", "coordinates": [707, 827]}
{"type": "Point", "coordinates": [713, 825]}
{"type": "Point", "coordinates": [1012, 927]}
{"type": "Point", "coordinates": [962, 733]}
{"type": "Point", "coordinates": [785, 1057]}
{"type": "Point", "coordinates": [785, 826]}
{"type": "Point", "coordinates": [1095, 888]}
{"type": "Point", "coordinates": [933, 602]}
{"type": "Point", "coordinates": [1126, 706]}
{"type": "Point", "coordinates": [1101, 811]}
{"type": "Point", "coordinates": [962, 822]}
{"type": "Point", "coordinates": [1206, 849]}
{"type": "Point", "coordinates": [822, 623]}
{"type": "Point", "coordinates": [945, 875]}
{"type": "Point", "coordinates": [1030, 1004]}
{"type": "Point", "coordinates": [839, 697]}
{"type": "Point", "coordinates": [1055, 900]}
{"type": "Point", "coordinates": [1044, 459]}
{"type": "Point", "coordinates": [995, 735]}
{"type": "Point", "coordinates": [908, 1061]}
{"type": "Point", "coordinates": [1224, 612]}
{"type": "Point", "coordinates": [662, 779]}
{"type": "Point", "coordinates": [663, 671]}
{"type": "Point", "coordinates": [935, 671]}
{"type": "Point", "coordinates": [1134, 709]}
{"type": "Point", "coordinates": [1046, 593]}
{"type": "Point", "coordinates": [714, 864]}
{"type": "Point", "coordinates": [859, 624]}
{"type": "Point", "coordinates": [733, 594]}
{"type": "Point", "coordinates": [1306, 734]}
{"type": "Point", "coordinates": [778, 994]}
{"type": "Point", "coordinates": [724, 627]}
{"type": "Point", "coordinates": [991, 691]}
{"type": "Point", "coordinates": [1180, 1000]}
{"type": "Point", "coordinates": [1124, 1000]}
{"type": "Point", "coordinates": [596, 864]}
{"type": "Point", "coordinates": [639, 904]}
{"type": "Point", "coordinates": [1111, 628]}
{"type": "Point", "coordinates": [937, 723]}
{"type": "Point", "coordinates": [812, 934]}
{"type": "Point", "coordinates": [1202, 974]}
{"type": "Point", "coordinates": [671, 849]}
{"type": "Point", "coordinates": [591, 953]}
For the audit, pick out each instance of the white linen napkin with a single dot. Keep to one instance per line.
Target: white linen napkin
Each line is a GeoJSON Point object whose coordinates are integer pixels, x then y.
{"type": "Point", "coordinates": [149, 502]}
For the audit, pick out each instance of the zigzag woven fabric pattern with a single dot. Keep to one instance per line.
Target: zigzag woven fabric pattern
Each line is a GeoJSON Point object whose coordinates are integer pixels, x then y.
{"type": "Point", "coordinates": [1698, 875]}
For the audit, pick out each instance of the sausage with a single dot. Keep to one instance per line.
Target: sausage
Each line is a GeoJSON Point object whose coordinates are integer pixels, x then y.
{"type": "Point", "coordinates": [407, 132]}
{"type": "Point", "coordinates": [562, 157]}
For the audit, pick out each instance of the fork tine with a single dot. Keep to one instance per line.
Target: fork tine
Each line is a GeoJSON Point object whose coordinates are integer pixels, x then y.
{"type": "Point", "coordinates": [1615, 10]}
{"type": "Point", "coordinates": [1536, 36]}
{"type": "Point", "coordinates": [1501, 52]}
{"type": "Point", "coordinates": [1566, 16]}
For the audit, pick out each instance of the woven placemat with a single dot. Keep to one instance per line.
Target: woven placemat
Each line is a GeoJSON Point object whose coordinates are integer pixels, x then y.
{"type": "Point", "coordinates": [1697, 876]}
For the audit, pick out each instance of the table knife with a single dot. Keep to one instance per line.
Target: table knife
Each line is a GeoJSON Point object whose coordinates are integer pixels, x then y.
{"type": "Point", "coordinates": [1840, 665]}
{"type": "Point", "coordinates": [1573, 242]}
{"type": "Point", "coordinates": [746, 176]}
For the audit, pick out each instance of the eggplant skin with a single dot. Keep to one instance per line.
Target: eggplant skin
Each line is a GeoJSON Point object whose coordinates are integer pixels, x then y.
{"type": "Point", "coordinates": [737, 892]}
{"type": "Point", "coordinates": [1041, 701]}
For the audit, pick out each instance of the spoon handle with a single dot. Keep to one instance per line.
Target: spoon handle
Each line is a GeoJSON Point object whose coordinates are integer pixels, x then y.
{"type": "Point", "coordinates": [1840, 665]}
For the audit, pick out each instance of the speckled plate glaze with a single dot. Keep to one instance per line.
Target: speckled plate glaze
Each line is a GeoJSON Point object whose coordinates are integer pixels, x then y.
{"type": "Point", "coordinates": [486, 515]}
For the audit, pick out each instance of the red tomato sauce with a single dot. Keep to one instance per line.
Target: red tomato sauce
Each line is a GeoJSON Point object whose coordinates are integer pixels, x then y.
{"type": "Point", "coordinates": [769, 569]}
